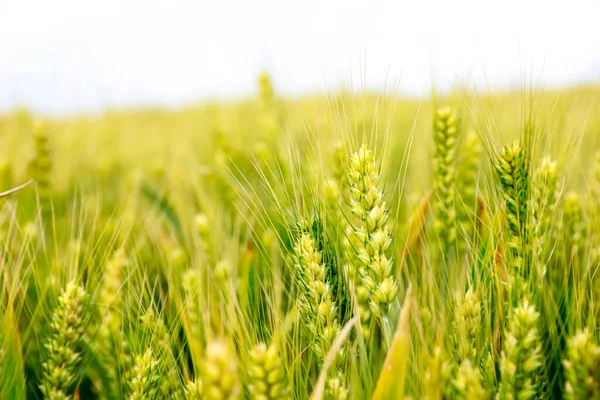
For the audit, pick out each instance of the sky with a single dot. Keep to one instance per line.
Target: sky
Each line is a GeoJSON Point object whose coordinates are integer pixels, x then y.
{"type": "Point", "coordinates": [73, 56]}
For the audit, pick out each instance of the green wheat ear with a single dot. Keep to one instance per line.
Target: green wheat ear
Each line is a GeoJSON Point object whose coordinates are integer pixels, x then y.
{"type": "Point", "coordinates": [544, 197]}
{"type": "Point", "coordinates": [336, 388]}
{"type": "Point", "coordinates": [42, 167]}
{"type": "Point", "coordinates": [593, 207]}
{"type": "Point", "coordinates": [369, 236]}
{"type": "Point", "coordinates": [466, 183]}
{"type": "Point", "coordinates": [268, 117]}
{"type": "Point", "coordinates": [513, 172]}
{"type": "Point", "coordinates": [445, 133]}
{"type": "Point", "coordinates": [145, 378]}
{"type": "Point", "coordinates": [339, 161]}
{"type": "Point", "coordinates": [468, 320]}
{"type": "Point", "coordinates": [467, 384]}
{"type": "Point", "coordinates": [574, 226]}
{"type": "Point", "coordinates": [219, 373]}
{"type": "Point", "coordinates": [62, 368]}
{"type": "Point", "coordinates": [111, 340]}
{"type": "Point", "coordinates": [318, 307]}
{"type": "Point", "coordinates": [266, 92]}
{"type": "Point", "coordinates": [316, 301]}
{"type": "Point", "coordinates": [193, 390]}
{"type": "Point", "coordinates": [191, 285]}
{"type": "Point", "coordinates": [267, 377]}
{"type": "Point", "coordinates": [521, 362]}
{"type": "Point", "coordinates": [582, 367]}
{"type": "Point", "coordinates": [437, 378]}
{"type": "Point", "coordinates": [203, 228]}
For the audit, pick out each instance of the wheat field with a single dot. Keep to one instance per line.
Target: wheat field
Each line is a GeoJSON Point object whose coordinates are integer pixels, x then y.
{"type": "Point", "coordinates": [344, 246]}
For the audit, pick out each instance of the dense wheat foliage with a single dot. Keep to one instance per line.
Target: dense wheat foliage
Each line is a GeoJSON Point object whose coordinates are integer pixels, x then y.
{"type": "Point", "coordinates": [339, 247]}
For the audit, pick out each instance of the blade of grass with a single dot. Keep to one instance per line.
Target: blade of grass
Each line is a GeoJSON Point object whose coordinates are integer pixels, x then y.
{"type": "Point", "coordinates": [16, 189]}
{"type": "Point", "coordinates": [390, 384]}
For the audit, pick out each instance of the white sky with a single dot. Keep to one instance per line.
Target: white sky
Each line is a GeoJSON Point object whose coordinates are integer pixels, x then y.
{"type": "Point", "coordinates": [69, 56]}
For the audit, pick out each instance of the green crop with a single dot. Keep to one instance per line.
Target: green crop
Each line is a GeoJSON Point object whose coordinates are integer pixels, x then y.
{"type": "Point", "coordinates": [342, 247]}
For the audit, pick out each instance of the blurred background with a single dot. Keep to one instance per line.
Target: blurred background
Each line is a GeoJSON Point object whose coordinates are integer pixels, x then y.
{"type": "Point", "coordinates": [66, 57]}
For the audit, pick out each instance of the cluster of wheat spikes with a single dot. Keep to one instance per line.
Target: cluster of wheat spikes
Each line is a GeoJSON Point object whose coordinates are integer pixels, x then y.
{"type": "Point", "coordinates": [323, 248]}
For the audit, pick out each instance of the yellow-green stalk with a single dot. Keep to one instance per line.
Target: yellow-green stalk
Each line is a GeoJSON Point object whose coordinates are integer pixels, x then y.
{"type": "Point", "coordinates": [582, 367]}
{"type": "Point", "coordinates": [63, 358]}
{"type": "Point", "coordinates": [266, 374]}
